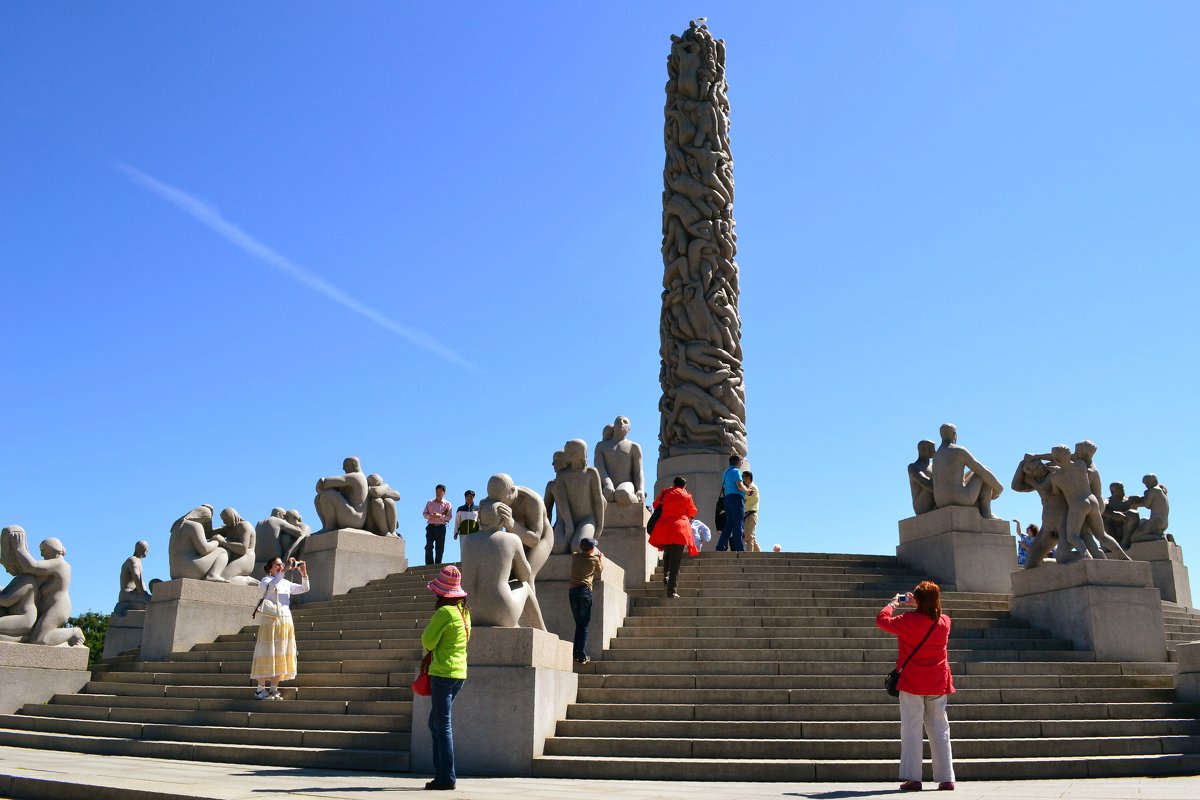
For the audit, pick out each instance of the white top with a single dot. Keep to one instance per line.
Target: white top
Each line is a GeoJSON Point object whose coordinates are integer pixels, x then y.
{"type": "Point", "coordinates": [282, 589]}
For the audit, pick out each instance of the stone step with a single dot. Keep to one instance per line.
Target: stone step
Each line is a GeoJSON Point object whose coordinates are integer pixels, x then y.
{"type": "Point", "coordinates": [864, 652]}
{"type": "Point", "coordinates": [870, 681]}
{"type": "Point", "coordinates": [868, 712]}
{"type": "Point", "coordinates": [342, 693]}
{"type": "Point", "coordinates": [382, 663]}
{"type": "Point", "coordinates": [879, 664]}
{"type": "Point", "coordinates": [855, 731]}
{"type": "Point", "coordinates": [858, 697]}
{"type": "Point", "coordinates": [727, 611]}
{"type": "Point", "coordinates": [300, 757]}
{"type": "Point", "coordinates": [338, 721]}
{"type": "Point", "coordinates": [240, 677]}
{"type": "Point", "coordinates": [847, 598]}
{"type": "Point", "coordinates": [880, 641]}
{"type": "Point", "coordinates": [242, 702]}
{"type": "Point", "coordinates": [272, 736]}
{"type": "Point", "coordinates": [856, 770]}
{"type": "Point", "coordinates": [798, 615]}
{"type": "Point", "coordinates": [366, 646]}
{"type": "Point", "coordinates": [866, 749]}
{"type": "Point", "coordinates": [695, 632]}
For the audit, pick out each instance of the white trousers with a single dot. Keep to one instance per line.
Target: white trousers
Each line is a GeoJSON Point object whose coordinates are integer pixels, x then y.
{"type": "Point", "coordinates": [928, 710]}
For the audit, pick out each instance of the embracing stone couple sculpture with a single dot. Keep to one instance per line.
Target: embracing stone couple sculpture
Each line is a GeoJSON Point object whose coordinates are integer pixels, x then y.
{"type": "Point", "coordinates": [950, 476]}
{"type": "Point", "coordinates": [36, 603]}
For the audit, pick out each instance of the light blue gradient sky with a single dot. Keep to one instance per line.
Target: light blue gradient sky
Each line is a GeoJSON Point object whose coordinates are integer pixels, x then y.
{"type": "Point", "coordinates": [240, 242]}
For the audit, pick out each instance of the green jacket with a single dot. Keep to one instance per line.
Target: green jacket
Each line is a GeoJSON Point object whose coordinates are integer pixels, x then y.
{"type": "Point", "coordinates": [446, 635]}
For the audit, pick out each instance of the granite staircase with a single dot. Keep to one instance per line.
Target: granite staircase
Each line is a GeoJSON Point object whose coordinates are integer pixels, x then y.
{"type": "Point", "coordinates": [769, 668]}
{"type": "Point", "coordinates": [350, 707]}
{"type": "Point", "coordinates": [1182, 625]}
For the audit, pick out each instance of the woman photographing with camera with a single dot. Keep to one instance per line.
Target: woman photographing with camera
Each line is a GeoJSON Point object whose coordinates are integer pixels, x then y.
{"type": "Point", "coordinates": [275, 646]}
{"type": "Point", "coordinates": [925, 683]}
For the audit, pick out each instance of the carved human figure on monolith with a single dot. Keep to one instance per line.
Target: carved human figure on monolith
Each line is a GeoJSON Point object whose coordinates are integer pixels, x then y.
{"type": "Point", "coordinates": [381, 506]}
{"type": "Point", "coordinates": [619, 464]}
{"type": "Point", "coordinates": [920, 478]}
{"type": "Point", "coordinates": [531, 523]}
{"type": "Point", "coordinates": [495, 571]}
{"type": "Point", "coordinates": [576, 494]}
{"type": "Point", "coordinates": [341, 500]}
{"type": "Point", "coordinates": [237, 537]}
{"type": "Point", "coordinates": [193, 551]}
{"type": "Point", "coordinates": [52, 576]}
{"type": "Point", "coordinates": [949, 486]}
{"type": "Point", "coordinates": [134, 595]}
{"type": "Point", "coordinates": [1155, 499]}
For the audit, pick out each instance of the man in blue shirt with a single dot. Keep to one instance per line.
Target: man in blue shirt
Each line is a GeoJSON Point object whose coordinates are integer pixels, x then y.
{"type": "Point", "coordinates": [735, 507]}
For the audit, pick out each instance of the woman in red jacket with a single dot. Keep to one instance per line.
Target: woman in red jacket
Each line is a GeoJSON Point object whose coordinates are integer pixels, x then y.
{"type": "Point", "coordinates": [925, 684]}
{"type": "Point", "coordinates": [673, 531]}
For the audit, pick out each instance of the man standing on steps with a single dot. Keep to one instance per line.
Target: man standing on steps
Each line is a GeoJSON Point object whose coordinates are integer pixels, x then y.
{"type": "Point", "coordinates": [750, 523]}
{"type": "Point", "coordinates": [437, 517]}
{"type": "Point", "coordinates": [735, 507]}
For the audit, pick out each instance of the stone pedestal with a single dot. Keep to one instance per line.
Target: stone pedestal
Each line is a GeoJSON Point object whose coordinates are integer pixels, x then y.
{"type": "Point", "coordinates": [1187, 681]}
{"type": "Point", "coordinates": [703, 472]}
{"type": "Point", "coordinates": [956, 545]}
{"type": "Point", "coordinates": [1166, 569]}
{"type": "Point", "coordinates": [624, 542]}
{"type": "Point", "coordinates": [124, 632]}
{"type": "Point", "coordinates": [33, 673]}
{"type": "Point", "coordinates": [519, 683]}
{"type": "Point", "coordinates": [1109, 607]}
{"type": "Point", "coordinates": [610, 603]}
{"type": "Point", "coordinates": [184, 612]}
{"type": "Point", "coordinates": [342, 559]}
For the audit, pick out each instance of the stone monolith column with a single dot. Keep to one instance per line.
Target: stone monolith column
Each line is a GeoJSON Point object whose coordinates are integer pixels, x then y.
{"type": "Point", "coordinates": [703, 404]}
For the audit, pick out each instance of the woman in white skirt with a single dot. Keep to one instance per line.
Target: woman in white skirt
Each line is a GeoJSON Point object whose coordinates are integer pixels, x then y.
{"type": "Point", "coordinates": [275, 647]}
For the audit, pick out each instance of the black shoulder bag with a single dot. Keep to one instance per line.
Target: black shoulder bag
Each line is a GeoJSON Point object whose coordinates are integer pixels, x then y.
{"type": "Point", "coordinates": [892, 681]}
{"type": "Point", "coordinates": [650, 523]}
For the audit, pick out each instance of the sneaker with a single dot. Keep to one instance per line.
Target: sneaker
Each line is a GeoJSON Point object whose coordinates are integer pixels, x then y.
{"type": "Point", "coordinates": [910, 786]}
{"type": "Point", "coordinates": [262, 694]}
{"type": "Point", "coordinates": [583, 660]}
{"type": "Point", "coordinates": [442, 787]}
{"type": "Point", "coordinates": [946, 786]}
{"type": "Point", "coordinates": [275, 695]}
{"type": "Point", "coordinates": [673, 594]}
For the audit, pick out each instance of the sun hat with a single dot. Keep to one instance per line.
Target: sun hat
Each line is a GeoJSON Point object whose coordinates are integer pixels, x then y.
{"type": "Point", "coordinates": [448, 583]}
{"type": "Point", "coordinates": [587, 543]}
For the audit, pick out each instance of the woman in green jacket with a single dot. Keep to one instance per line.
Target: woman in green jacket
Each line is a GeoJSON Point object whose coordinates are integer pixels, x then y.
{"type": "Point", "coordinates": [446, 638]}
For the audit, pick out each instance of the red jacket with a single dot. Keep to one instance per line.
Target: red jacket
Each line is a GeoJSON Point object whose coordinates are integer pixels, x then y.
{"type": "Point", "coordinates": [929, 670]}
{"type": "Point", "coordinates": [674, 524]}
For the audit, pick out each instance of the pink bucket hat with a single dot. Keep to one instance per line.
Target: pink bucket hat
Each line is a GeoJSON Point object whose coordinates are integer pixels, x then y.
{"type": "Point", "coordinates": [448, 583]}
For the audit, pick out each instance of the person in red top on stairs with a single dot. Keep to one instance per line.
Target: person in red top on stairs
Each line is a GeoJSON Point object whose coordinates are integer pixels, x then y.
{"type": "Point", "coordinates": [673, 532]}
{"type": "Point", "coordinates": [925, 682]}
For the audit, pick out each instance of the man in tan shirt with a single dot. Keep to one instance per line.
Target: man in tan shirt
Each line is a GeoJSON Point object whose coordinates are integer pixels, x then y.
{"type": "Point", "coordinates": [585, 566]}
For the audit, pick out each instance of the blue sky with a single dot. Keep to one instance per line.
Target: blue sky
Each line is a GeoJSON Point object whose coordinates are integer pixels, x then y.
{"type": "Point", "coordinates": [241, 241]}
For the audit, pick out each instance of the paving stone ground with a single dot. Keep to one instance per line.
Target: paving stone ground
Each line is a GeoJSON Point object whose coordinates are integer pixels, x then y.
{"type": "Point", "coordinates": [63, 776]}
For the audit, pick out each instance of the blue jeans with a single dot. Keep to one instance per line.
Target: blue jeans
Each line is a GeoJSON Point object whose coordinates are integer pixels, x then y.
{"type": "Point", "coordinates": [731, 532]}
{"type": "Point", "coordinates": [441, 697]}
{"type": "Point", "coordinates": [581, 609]}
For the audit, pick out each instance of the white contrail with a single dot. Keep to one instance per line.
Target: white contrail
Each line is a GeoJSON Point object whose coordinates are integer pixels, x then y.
{"type": "Point", "coordinates": [211, 218]}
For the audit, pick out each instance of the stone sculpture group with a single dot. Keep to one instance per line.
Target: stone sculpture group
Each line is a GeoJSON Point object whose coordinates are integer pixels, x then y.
{"type": "Point", "coordinates": [1077, 522]}
{"type": "Point", "coordinates": [356, 502]}
{"type": "Point", "coordinates": [36, 603]}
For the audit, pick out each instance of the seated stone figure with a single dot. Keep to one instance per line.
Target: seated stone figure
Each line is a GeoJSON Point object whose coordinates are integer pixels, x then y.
{"type": "Point", "coordinates": [577, 496]}
{"type": "Point", "coordinates": [495, 572]}
{"type": "Point", "coordinates": [52, 583]}
{"type": "Point", "coordinates": [1155, 499]}
{"type": "Point", "coordinates": [237, 537]}
{"type": "Point", "coordinates": [1120, 514]}
{"type": "Point", "coordinates": [18, 601]}
{"type": "Point", "coordinates": [619, 464]}
{"type": "Point", "coordinates": [381, 506]}
{"type": "Point", "coordinates": [267, 536]}
{"type": "Point", "coordinates": [949, 487]}
{"type": "Point", "coordinates": [341, 500]}
{"type": "Point", "coordinates": [920, 478]}
{"type": "Point", "coordinates": [293, 535]}
{"type": "Point", "coordinates": [134, 595]}
{"type": "Point", "coordinates": [531, 523]}
{"type": "Point", "coordinates": [193, 552]}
